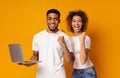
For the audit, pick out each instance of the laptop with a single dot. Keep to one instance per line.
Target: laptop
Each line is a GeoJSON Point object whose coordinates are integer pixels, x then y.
{"type": "Point", "coordinates": [16, 53]}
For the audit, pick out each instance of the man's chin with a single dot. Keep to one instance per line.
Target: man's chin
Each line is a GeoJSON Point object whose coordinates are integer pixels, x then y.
{"type": "Point", "coordinates": [53, 30]}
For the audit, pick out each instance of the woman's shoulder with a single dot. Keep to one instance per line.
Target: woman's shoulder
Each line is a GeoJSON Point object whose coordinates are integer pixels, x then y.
{"type": "Point", "coordinates": [87, 37]}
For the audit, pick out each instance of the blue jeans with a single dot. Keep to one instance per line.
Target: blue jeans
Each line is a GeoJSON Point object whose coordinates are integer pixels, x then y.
{"type": "Point", "coordinates": [84, 73]}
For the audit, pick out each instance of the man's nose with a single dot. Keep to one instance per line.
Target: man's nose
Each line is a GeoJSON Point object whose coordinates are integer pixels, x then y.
{"type": "Point", "coordinates": [52, 20]}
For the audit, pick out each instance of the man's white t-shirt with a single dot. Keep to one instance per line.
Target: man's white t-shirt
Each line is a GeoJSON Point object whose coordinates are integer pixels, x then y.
{"type": "Point", "coordinates": [50, 53]}
{"type": "Point", "coordinates": [76, 45]}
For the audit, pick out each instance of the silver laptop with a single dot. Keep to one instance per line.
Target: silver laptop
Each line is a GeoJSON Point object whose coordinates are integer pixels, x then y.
{"type": "Point", "coordinates": [16, 53]}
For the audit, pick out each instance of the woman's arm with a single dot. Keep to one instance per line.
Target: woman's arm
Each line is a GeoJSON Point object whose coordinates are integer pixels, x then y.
{"type": "Point", "coordinates": [83, 50]}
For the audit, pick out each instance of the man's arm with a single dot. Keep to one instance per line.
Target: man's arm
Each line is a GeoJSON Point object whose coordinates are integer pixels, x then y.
{"type": "Point", "coordinates": [33, 59]}
{"type": "Point", "coordinates": [35, 56]}
{"type": "Point", "coordinates": [69, 57]}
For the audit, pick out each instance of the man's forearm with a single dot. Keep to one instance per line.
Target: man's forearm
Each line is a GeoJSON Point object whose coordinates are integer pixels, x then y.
{"type": "Point", "coordinates": [68, 55]}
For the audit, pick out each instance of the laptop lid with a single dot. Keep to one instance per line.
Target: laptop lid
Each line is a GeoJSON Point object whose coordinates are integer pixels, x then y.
{"type": "Point", "coordinates": [16, 53]}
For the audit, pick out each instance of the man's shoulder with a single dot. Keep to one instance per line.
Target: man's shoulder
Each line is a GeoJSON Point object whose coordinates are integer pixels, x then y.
{"type": "Point", "coordinates": [62, 32]}
{"type": "Point", "coordinates": [39, 33]}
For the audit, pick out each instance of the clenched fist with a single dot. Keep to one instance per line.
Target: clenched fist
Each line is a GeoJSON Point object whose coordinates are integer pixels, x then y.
{"type": "Point", "coordinates": [82, 36]}
{"type": "Point", "coordinates": [61, 40]}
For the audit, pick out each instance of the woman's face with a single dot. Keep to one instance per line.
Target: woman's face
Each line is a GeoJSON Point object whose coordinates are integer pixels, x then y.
{"type": "Point", "coordinates": [77, 23]}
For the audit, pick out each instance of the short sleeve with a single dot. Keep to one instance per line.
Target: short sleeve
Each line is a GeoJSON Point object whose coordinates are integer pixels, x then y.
{"type": "Point", "coordinates": [69, 45]}
{"type": "Point", "coordinates": [87, 42]}
{"type": "Point", "coordinates": [34, 44]}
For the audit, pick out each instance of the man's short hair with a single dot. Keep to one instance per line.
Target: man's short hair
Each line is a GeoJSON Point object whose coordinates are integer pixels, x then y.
{"type": "Point", "coordinates": [53, 11]}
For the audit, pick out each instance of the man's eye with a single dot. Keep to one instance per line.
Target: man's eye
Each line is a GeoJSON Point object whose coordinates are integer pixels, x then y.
{"type": "Point", "coordinates": [55, 19]}
{"type": "Point", "coordinates": [49, 18]}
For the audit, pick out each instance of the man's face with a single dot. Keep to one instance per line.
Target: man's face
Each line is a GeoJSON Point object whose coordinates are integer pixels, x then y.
{"type": "Point", "coordinates": [52, 21]}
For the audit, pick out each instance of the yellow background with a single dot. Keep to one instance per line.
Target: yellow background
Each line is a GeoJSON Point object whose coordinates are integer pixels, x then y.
{"type": "Point", "coordinates": [21, 19]}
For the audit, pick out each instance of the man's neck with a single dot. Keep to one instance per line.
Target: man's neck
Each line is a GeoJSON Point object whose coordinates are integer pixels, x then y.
{"type": "Point", "coordinates": [49, 31]}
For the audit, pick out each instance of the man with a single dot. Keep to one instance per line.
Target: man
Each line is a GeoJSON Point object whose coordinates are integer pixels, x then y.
{"type": "Point", "coordinates": [49, 46]}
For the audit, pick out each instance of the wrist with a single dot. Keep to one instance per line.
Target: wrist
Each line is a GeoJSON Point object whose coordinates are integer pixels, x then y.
{"type": "Point", "coordinates": [63, 45]}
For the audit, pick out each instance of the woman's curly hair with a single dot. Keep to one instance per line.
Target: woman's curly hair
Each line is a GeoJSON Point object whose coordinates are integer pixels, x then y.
{"type": "Point", "coordinates": [80, 13]}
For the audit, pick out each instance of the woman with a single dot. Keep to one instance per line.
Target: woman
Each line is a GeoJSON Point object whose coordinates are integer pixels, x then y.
{"type": "Point", "coordinates": [77, 23]}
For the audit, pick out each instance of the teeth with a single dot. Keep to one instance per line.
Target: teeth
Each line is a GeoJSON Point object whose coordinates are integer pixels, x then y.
{"type": "Point", "coordinates": [76, 28]}
{"type": "Point", "coordinates": [52, 24]}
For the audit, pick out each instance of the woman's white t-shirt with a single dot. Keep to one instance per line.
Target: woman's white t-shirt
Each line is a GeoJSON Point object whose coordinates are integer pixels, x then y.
{"type": "Point", "coordinates": [76, 45]}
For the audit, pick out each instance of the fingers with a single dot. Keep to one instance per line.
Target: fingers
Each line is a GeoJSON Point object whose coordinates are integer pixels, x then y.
{"type": "Point", "coordinates": [61, 38]}
{"type": "Point", "coordinates": [84, 33]}
{"type": "Point", "coordinates": [27, 63]}
{"type": "Point", "coordinates": [82, 36]}
{"type": "Point", "coordinates": [20, 63]}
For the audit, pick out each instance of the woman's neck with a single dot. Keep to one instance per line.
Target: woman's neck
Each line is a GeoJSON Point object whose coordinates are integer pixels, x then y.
{"type": "Point", "coordinates": [77, 33]}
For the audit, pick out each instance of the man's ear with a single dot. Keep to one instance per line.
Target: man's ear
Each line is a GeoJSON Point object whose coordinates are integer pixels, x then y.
{"type": "Point", "coordinates": [59, 20]}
